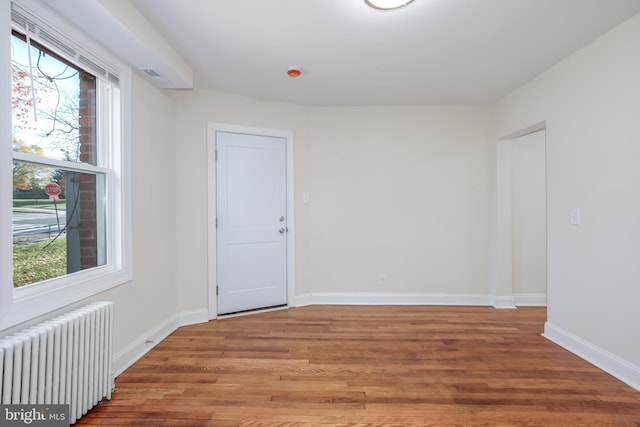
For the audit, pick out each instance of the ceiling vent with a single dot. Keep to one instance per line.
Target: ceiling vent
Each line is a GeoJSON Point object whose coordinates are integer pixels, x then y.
{"type": "Point", "coordinates": [151, 72]}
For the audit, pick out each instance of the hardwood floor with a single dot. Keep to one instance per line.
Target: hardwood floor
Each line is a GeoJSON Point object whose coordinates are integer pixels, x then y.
{"type": "Point", "coordinates": [367, 366]}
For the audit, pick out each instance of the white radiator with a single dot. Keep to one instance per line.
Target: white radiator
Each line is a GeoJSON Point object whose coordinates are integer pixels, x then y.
{"type": "Point", "coordinates": [64, 360]}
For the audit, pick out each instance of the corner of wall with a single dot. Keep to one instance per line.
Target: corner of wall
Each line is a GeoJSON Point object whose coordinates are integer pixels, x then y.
{"type": "Point", "coordinates": [504, 301]}
{"type": "Point", "coordinates": [147, 341]}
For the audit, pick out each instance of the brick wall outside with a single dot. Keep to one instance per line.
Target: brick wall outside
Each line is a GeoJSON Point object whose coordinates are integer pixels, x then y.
{"type": "Point", "coordinates": [87, 182]}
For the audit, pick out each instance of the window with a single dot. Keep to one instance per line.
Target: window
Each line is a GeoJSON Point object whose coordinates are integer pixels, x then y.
{"type": "Point", "coordinates": [68, 120]}
{"type": "Point", "coordinates": [58, 208]}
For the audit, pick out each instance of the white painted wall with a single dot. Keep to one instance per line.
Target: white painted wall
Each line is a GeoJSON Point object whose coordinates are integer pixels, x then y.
{"type": "Point", "coordinates": [590, 104]}
{"type": "Point", "coordinates": [529, 214]}
{"type": "Point", "coordinates": [147, 307]}
{"type": "Point", "coordinates": [151, 297]}
{"type": "Point", "coordinates": [402, 192]}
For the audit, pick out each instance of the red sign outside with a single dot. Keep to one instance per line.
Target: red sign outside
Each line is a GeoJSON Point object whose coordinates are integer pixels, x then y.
{"type": "Point", "coordinates": [53, 190]}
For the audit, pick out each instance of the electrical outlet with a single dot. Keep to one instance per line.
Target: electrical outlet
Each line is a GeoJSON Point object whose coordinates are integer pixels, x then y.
{"type": "Point", "coordinates": [382, 279]}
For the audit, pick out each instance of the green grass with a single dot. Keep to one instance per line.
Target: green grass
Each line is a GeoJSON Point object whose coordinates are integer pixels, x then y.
{"type": "Point", "coordinates": [39, 204]}
{"type": "Point", "coordinates": [33, 263]}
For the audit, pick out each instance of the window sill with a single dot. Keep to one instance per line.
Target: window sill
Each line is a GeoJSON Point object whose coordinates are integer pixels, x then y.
{"type": "Point", "coordinates": [34, 301]}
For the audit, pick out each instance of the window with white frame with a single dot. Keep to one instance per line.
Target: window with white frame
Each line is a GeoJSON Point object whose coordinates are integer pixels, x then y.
{"type": "Point", "coordinates": [68, 189]}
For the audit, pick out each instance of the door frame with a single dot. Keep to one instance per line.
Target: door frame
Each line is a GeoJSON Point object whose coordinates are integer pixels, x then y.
{"type": "Point", "coordinates": [503, 295]}
{"type": "Point", "coordinates": [212, 274]}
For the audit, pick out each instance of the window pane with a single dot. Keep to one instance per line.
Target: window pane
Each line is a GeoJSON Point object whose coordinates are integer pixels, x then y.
{"type": "Point", "coordinates": [53, 104]}
{"type": "Point", "coordinates": [58, 235]}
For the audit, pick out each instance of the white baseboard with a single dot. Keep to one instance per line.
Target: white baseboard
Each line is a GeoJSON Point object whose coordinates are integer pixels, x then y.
{"type": "Point", "coordinates": [303, 300]}
{"type": "Point", "coordinates": [138, 348]}
{"type": "Point", "coordinates": [504, 301]}
{"type": "Point", "coordinates": [530, 300]}
{"type": "Point", "coordinates": [193, 317]}
{"type": "Point", "coordinates": [364, 298]}
{"type": "Point", "coordinates": [610, 363]}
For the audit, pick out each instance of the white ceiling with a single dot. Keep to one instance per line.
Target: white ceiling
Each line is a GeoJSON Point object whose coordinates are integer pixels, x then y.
{"type": "Point", "coordinates": [431, 52]}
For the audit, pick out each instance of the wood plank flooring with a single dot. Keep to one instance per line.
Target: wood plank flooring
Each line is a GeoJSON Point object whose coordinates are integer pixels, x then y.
{"type": "Point", "coordinates": [367, 366]}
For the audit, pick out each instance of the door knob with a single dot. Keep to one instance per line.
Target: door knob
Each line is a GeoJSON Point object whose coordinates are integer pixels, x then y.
{"type": "Point", "coordinates": [281, 231]}
{"type": "Point", "coordinates": [281, 218]}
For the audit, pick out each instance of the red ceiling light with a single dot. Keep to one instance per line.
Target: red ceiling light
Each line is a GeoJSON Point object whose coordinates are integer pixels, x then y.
{"type": "Point", "coordinates": [294, 72]}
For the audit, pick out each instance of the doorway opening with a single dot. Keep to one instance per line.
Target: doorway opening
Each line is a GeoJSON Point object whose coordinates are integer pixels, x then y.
{"type": "Point", "coordinates": [521, 278]}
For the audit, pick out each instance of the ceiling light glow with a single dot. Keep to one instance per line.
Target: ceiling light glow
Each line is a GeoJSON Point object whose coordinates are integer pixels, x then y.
{"type": "Point", "coordinates": [387, 4]}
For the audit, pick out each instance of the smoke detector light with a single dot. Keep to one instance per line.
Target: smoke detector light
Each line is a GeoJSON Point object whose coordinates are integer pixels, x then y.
{"type": "Point", "coordinates": [294, 72]}
{"type": "Point", "coordinates": [387, 4]}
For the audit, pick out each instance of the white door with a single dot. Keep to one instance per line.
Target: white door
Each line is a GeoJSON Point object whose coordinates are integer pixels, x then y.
{"type": "Point", "coordinates": [251, 200]}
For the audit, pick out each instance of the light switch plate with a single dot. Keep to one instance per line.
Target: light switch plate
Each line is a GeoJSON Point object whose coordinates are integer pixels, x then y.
{"type": "Point", "coordinates": [575, 216]}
